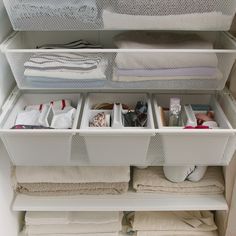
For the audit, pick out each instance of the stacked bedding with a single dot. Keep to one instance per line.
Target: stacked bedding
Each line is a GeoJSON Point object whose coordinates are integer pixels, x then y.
{"type": "Point", "coordinates": [54, 181]}
{"type": "Point", "coordinates": [188, 223]}
{"type": "Point", "coordinates": [73, 223]}
{"type": "Point", "coordinates": [168, 15]}
{"type": "Point", "coordinates": [152, 179]}
{"type": "Point", "coordinates": [149, 66]}
{"type": "Point", "coordinates": [61, 68]}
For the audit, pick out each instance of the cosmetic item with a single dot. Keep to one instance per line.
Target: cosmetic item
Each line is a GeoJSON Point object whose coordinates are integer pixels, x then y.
{"type": "Point", "coordinates": [100, 120]}
{"type": "Point", "coordinates": [189, 116]}
{"type": "Point", "coordinates": [175, 112]}
{"type": "Point", "coordinates": [201, 107]}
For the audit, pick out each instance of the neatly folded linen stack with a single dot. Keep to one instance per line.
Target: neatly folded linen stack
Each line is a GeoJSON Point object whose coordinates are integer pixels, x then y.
{"type": "Point", "coordinates": [53, 181]}
{"type": "Point", "coordinates": [188, 223]}
{"type": "Point", "coordinates": [66, 67]}
{"type": "Point", "coordinates": [146, 66]}
{"type": "Point", "coordinates": [152, 179]}
{"type": "Point", "coordinates": [73, 223]}
{"type": "Point", "coordinates": [158, 14]}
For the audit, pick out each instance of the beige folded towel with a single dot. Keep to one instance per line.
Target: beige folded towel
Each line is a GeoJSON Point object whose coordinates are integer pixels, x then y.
{"type": "Point", "coordinates": [87, 234]}
{"type": "Point", "coordinates": [58, 189]}
{"type": "Point", "coordinates": [177, 233]}
{"type": "Point", "coordinates": [152, 179]}
{"type": "Point", "coordinates": [202, 221]}
{"type": "Point", "coordinates": [32, 174]}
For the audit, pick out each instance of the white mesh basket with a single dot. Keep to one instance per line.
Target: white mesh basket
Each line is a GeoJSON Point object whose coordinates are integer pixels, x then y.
{"type": "Point", "coordinates": [120, 14]}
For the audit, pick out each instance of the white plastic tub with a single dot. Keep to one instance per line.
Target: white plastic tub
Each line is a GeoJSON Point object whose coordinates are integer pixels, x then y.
{"type": "Point", "coordinates": [117, 144]}
{"type": "Point", "coordinates": [120, 14]}
{"type": "Point", "coordinates": [193, 146]}
{"type": "Point", "coordinates": [19, 47]}
{"type": "Point", "coordinates": [37, 147]}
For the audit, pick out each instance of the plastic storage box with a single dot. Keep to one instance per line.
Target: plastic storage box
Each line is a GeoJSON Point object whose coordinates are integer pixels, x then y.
{"type": "Point", "coordinates": [37, 147]}
{"type": "Point", "coordinates": [187, 146]}
{"type": "Point", "coordinates": [116, 144]}
{"type": "Point", "coordinates": [120, 14]}
{"type": "Point", "coordinates": [20, 47]}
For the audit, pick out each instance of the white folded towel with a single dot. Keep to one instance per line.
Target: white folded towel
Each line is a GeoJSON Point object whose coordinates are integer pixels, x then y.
{"type": "Point", "coordinates": [28, 174]}
{"type": "Point", "coordinates": [177, 233]}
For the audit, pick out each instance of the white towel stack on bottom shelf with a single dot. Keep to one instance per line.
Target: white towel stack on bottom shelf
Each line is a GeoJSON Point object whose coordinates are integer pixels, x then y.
{"type": "Point", "coordinates": [173, 223]}
{"type": "Point", "coordinates": [73, 223]}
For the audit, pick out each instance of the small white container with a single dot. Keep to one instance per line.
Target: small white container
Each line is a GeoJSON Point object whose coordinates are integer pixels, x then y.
{"type": "Point", "coordinates": [116, 144]}
{"type": "Point", "coordinates": [39, 146]}
{"type": "Point", "coordinates": [195, 146]}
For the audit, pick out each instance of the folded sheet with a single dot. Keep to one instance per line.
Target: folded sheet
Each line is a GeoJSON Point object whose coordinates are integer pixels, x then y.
{"type": "Point", "coordinates": [65, 217]}
{"type": "Point", "coordinates": [30, 174]}
{"type": "Point", "coordinates": [195, 21]}
{"type": "Point", "coordinates": [178, 233]}
{"type": "Point", "coordinates": [152, 179]}
{"type": "Point", "coordinates": [80, 234]}
{"type": "Point", "coordinates": [202, 221]}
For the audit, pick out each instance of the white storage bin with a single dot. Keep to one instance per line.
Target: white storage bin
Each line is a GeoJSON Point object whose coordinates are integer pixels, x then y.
{"type": "Point", "coordinates": [21, 46]}
{"type": "Point", "coordinates": [37, 147]}
{"type": "Point", "coordinates": [117, 145]}
{"type": "Point", "coordinates": [195, 146]}
{"type": "Point", "coordinates": [120, 14]}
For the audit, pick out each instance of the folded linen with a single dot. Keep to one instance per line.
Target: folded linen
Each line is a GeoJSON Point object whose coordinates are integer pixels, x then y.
{"type": "Point", "coordinates": [195, 21]}
{"type": "Point", "coordinates": [173, 233]}
{"type": "Point", "coordinates": [202, 221]}
{"type": "Point", "coordinates": [152, 179]}
{"type": "Point", "coordinates": [65, 217]}
{"type": "Point", "coordinates": [80, 234]}
{"type": "Point", "coordinates": [217, 76]}
{"type": "Point", "coordinates": [32, 174]}
{"type": "Point", "coordinates": [170, 7]}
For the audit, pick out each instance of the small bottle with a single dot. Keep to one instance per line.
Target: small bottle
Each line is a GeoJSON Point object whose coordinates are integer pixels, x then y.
{"type": "Point", "coordinates": [175, 112]}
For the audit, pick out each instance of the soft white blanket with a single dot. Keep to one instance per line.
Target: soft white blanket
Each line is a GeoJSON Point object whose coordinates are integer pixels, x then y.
{"type": "Point", "coordinates": [27, 174]}
{"type": "Point", "coordinates": [195, 21]}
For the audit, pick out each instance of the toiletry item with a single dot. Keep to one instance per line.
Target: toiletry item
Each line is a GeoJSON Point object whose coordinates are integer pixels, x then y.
{"type": "Point", "coordinates": [190, 118]}
{"type": "Point", "coordinates": [201, 107]}
{"type": "Point", "coordinates": [100, 120]}
{"type": "Point", "coordinates": [175, 111]}
{"type": "Point", "coordinates": [162, 113]}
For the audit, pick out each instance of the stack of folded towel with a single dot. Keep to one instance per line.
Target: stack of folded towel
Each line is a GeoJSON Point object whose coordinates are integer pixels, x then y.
{"type": "Point", "coordinates": [197, 223]}
{"type": "Point", "coordinates": [53, 181]}
{"type": "Point", "coordinates": [72, 223]}
{"type": "Point", "coordinates": [152, 179]}
{"type": "Point", "coordinates": [171, 14]}
{"type": "Point", "coordinates": [146, 66]}
{"type": "Point", "coordinates": [69, 67]}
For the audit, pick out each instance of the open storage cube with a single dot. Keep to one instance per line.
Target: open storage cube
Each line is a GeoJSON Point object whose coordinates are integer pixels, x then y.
{"type": "Point", "coordinates": [120, 14]}
{"type": "Point", "coordinates": [116, 144]}
{"type": "Point", "coordinates": [187, 146]}
{"type": "Point", "coordinates": [41, 146]}
{"type": "Point", "coordinates": [205, 69]}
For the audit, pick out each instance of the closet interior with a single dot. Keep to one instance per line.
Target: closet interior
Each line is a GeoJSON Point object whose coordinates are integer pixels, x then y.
{"type": "Point", "coordinates": [121, 117]}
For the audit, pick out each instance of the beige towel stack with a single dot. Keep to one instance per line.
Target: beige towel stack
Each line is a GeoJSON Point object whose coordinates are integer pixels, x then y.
{"type": "Point", "coordinates": [73, 223]}
{"type": "Point", "coordinates": [173, 223]}
{"type": "Point", "coordinates": [53, 181]}
{"type": "Point", "coordinates": [152, 179]}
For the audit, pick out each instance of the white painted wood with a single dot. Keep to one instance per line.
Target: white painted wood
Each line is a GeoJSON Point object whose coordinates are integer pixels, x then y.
{"type": "Point", "coordinates": [130, 201]}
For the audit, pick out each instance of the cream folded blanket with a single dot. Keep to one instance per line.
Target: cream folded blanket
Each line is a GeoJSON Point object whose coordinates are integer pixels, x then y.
{"type": "Point", "coordinates": [65, 217]}
{"type": "Point", "coordinates": [202, 221]}
{"type": "Point", "coordinates": [195, 21]}
{"type": "Point", "coordinates": [58, 189]}
{"type": "Point", "coordinates": [173, 233]}
{"type": "Point", "coordinates": [32, 174]}
{"type": "Point", "coordinates": [152, 179]}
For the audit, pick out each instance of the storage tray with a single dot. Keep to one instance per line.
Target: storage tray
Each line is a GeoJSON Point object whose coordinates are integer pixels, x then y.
{"type": "Point", "coordinates": [188, 145]}
{"type": "Point", "coordinates": [116, 144]}
{"type": "Point", "coordinates": [157, 15]}
{"type": "Point", "coordinates": [21, 46]}
{"type": "Point", "coordinates": [44, 146]}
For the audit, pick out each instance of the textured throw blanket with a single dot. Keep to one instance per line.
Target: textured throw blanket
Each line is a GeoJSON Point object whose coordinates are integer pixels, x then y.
{"type": "Point", "coordinates": [152, 179]}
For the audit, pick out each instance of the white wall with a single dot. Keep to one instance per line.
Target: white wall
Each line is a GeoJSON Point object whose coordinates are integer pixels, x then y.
{"type": "Point", "coordinates": [9, 221]}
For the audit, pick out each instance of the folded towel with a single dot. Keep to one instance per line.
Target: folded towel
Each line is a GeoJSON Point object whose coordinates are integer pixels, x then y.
{"type": "Point", "coordinates": [152, 179]}
{"type": "Point", "coordinates": [173, 233]}
{"type": "Point", "coordinates": [80, 234]}
{"type": "Point", "coordinates": [57, 189]}
{"type": "Point", "coordinates": [202, 221]}
{"type": "Point", "coordinates": [32, 174]}
{"type": "Point", "coordinates": [170, 7]}
{"type": "Point", "coordinates": [195, 21]}
{"type": "Point", "coordinates": [49, 218]}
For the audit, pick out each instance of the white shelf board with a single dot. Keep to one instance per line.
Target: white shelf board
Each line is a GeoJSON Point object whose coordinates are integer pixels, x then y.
{"type": "Point", "coordinates": [130, 201]}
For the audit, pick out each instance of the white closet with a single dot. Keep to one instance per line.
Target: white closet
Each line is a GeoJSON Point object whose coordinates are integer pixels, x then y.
{"type": "Point", "coordinates": [154, 145]}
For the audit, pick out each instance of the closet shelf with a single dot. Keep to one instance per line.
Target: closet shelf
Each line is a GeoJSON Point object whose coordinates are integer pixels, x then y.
{"type": "Point", "coordinates": [130, 201]}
